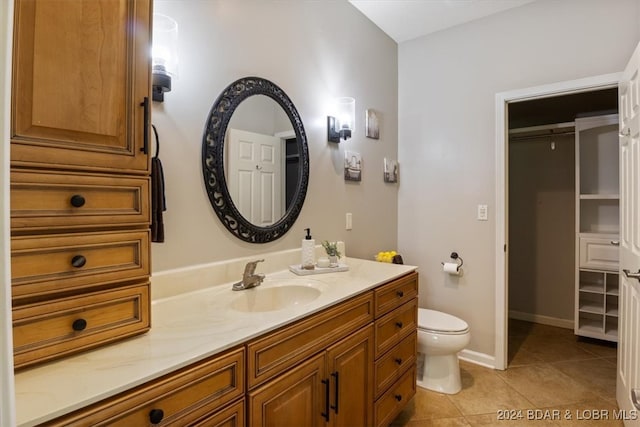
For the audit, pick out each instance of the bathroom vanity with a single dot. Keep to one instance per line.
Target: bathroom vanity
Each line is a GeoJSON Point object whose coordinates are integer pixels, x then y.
{"type": "Point", "coordinates": [341, 352]}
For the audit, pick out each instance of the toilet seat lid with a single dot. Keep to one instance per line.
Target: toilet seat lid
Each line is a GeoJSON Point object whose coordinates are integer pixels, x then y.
{"type": "Point", "coordinates": [433, 320]}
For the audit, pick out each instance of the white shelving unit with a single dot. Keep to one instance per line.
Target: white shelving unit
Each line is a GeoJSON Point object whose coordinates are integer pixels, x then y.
{"type": "Point", "coordinates": [597, 227]}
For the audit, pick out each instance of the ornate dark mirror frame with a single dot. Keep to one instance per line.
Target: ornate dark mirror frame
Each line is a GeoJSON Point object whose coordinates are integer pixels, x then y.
{"type": "Point", "coordinates": [213, 160]}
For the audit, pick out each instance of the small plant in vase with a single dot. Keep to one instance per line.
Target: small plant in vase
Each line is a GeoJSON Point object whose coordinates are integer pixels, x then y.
{"type": "Point", "coordinates": [331, 248]}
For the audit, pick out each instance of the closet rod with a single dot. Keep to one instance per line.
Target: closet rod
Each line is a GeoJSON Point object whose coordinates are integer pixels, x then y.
{"type": "Point", "coordinates": [529, 137]}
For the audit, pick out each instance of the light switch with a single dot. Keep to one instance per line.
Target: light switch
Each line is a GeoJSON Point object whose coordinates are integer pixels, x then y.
{"type": "Point", "coordinates": [349, 221]}
{"type": "Point", "coordinates": [482, 213]}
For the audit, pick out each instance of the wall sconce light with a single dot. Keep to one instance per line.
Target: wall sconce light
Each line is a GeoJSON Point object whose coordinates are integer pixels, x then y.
{"type": "Point", "coordinates": [342, 124]}
{"type": "Point", "coordinates": [165, 55]}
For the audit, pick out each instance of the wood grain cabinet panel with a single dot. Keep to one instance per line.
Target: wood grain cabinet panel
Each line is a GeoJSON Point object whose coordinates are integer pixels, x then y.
{"type": "Point", "coordinates": [190, 395]}
{"type": "Point", "coordinates": [393, 327]}
{"type": "Point", "coordinates": [297, 398]}
{"type": "Point", "coordinates": [391, 403]}
{"type": "Point", "coordinates": [80, 107]}
{"type": "Point", "coordinates": [54, 328]}
{"type": "Point", "coordinates": [394, 294]}
{"type": "Point", "coordinates": [397, 360]}
{"type": "Point", "coordinates": [52, 264]}
{"type": "Point", "coordinates": [46, 201]}
{"type": "Point", "coordinates": [231, 416]}
{"type": "Point", "coordinates": [281, 350]}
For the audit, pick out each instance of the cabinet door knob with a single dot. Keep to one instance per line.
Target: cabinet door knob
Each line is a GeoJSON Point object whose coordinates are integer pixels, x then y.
{"type": "Point", "coordinates": [398, 397]}
{"type": "Point", "coordinates": [79, 325]}
{"type": "Point", "coordinates": [400, 294]}
{"type": "Point", "coordinates": [78, 261]}
{"type": "Point", "coordinates": [77, 201]}
{"type": "Point", "coordinates": [156, 415]}
{"type": "Point", "coordinates": [398, 360]}
{"type": "Point", "coordinates": [399, 324]}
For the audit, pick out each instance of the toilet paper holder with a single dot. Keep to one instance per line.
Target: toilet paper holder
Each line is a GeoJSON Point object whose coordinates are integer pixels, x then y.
{"type": "Point", "coordinates": [457, 258]}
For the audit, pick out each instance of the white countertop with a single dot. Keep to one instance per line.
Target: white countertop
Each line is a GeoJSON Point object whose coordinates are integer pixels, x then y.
{"type": "Point", "coordinates": [186, 328]}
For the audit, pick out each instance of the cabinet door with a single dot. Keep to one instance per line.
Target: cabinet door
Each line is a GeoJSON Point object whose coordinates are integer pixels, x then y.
{"type": "Point", "coordinates": [351, 375]}
{"type": "Point", "coordinates": [297, 398]}
{"type": "Point", "coordinates": [80, 75]}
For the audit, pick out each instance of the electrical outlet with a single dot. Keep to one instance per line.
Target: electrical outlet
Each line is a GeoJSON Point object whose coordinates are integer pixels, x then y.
{"type": "Point", "coordinates": [349, 221]}
{"type": "Point", "coordinates": [482, 213]}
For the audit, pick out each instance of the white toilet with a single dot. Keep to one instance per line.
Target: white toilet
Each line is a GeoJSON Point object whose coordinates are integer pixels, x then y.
{"type": "Point", "coordinates": [440, 337]}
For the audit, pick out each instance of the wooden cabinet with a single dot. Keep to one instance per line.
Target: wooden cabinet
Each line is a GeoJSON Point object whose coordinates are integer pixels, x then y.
{"type": "Point", "coordinates": [333, 388]}
{"type": "Point", "coordinates": [197, 394]}
{"type": "Point", "coordinates": [81, 74]}
{"type": "Point", "coordinates": [364, 378]}
{"type": "Point", "coordinates": [597, 227]}
{"type": "Point", "coordinates": [395, 347]}
{"type": "Point", "coordinates": [80, 187]}
{"type": "Point", "coordinates": [320, 371]}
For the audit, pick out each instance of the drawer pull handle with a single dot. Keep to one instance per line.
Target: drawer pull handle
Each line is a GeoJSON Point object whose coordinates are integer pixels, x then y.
{"type": "Point", "coordinates": [399, 325]}
{"type": "Point", "coordinates": [79, 325]}
{"type": "Point", "coordinates": [145, 125]}
{"type": "Point", "coordinates": [400, 294]}
{"type": "Point", "coordinates": [77, 201]}
{"type": "Point", "coordinates": [156, 415]}
{"type": "Point", "coordinates": [398, 397]}
{"type": "Point", "coordinates": [325, 414]}
{"type": "Point", "coordinates": [337, 390]}
{"type": "Point", "coordinates": [615, 242]}
{"type": "Point", "coordinates": [78, 261]}
{"type": "Point", "coordinates": [398, 361]}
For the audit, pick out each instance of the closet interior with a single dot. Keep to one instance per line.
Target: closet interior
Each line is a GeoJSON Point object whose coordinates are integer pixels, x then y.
{"type": "Point", "coordinates": [564, 212]}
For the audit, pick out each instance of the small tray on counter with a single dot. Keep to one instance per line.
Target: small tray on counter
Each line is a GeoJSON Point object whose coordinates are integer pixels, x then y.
{"type": "Point", "coordinates": [297, 269]}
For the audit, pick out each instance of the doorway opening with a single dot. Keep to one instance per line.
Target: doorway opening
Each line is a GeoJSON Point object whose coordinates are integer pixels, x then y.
{"type": "Point", "coordinates": [563, 198]}
{"type": "Point", "coordinates": [507, 104]}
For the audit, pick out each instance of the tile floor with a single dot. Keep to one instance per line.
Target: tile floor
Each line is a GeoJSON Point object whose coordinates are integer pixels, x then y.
{"type": "Point", "coordinates": [551, 372]}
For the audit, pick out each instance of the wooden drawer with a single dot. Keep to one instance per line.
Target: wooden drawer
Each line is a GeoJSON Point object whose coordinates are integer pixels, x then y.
{"type": "Point", "coordinates": [45, 201]}
{"type": "Point", "coordinates": [397, 360]}
{"type": "Point", "coordinates": [393, 327]}
{"type": "Point", "coordinates": [391, 403]}
{"type": "Point", "coordinates": [51, 264]}
{"type": "Point", "coordinates": [55, 328]}
{"type": "Point", "coordinates": [231, 416]}
{"type": "Point", "coordinates": [599, 252]}
{"type": "Point", "coordinates": [279, 351]}
{"type": "Point", "coordinates": [394, 294]}
{"type": "Point", "coordinates": [184, 397]}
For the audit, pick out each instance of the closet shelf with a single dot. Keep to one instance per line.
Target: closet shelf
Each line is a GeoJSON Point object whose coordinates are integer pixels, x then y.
{"type": "Point", "coordinates": [592, 288]}
{"type": "Point", "coordinates": [591, 308]}
{"type": "Point", "coordinates": [600, 196]}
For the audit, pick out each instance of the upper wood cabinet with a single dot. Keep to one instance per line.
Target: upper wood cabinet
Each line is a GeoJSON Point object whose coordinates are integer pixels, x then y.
{"type": "Point", "coordinates": [80, 79]}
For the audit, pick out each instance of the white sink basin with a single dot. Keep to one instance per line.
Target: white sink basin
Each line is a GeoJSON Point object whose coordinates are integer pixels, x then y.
{"type": "Point", "coordinates": [274, 298]}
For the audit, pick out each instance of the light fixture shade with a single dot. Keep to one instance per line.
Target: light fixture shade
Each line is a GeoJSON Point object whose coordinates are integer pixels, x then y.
{"type": "Point", "coordinates": [164, 64]}
{"type": "Point", "coordinates": [165, 44]}
{"type": "Point", "coordinates": [345, 113]}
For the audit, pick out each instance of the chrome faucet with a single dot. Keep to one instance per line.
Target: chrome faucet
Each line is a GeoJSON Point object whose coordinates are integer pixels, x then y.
{"type": "Point", "coordinates": [249, 278]}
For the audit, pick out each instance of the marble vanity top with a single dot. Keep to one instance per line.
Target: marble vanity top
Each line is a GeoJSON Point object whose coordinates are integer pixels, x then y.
{"type": "Point", "coordinates": [186, 327]}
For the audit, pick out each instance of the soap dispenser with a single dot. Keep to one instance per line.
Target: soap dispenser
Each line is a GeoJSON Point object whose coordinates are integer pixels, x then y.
{"type": "Point", "coordinates": [308, 251]}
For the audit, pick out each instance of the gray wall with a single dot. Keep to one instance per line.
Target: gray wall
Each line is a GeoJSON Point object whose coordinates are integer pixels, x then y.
{"type": "Point", "coordinates": [446, 141]}
{"type": "Point", "coordinates": [542, 227]}
{"type": "Point", "coordinates": [315, 51]}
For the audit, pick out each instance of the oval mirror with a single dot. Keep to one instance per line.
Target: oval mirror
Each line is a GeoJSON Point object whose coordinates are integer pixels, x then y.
{"type": "Point", "coordinates": [255, 160]}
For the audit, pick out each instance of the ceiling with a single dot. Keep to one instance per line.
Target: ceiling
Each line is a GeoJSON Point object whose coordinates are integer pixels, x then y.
{"type": "Point", "coordinates": [404, 20]}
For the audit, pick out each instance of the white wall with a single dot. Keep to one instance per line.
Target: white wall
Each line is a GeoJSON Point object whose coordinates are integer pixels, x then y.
{"type": "Point", "coordinates": [447, 86]}
{"type": "Point", "coordinates": [315, 51]}
{"type": "Point", "coordinates": [7, 415]}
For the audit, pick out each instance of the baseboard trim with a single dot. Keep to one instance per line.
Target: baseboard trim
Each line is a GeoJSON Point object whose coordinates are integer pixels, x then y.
{"type": "Point", "coordinates": [477, 358]}
{"type": "Point", "coordinates": [545, 320]}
